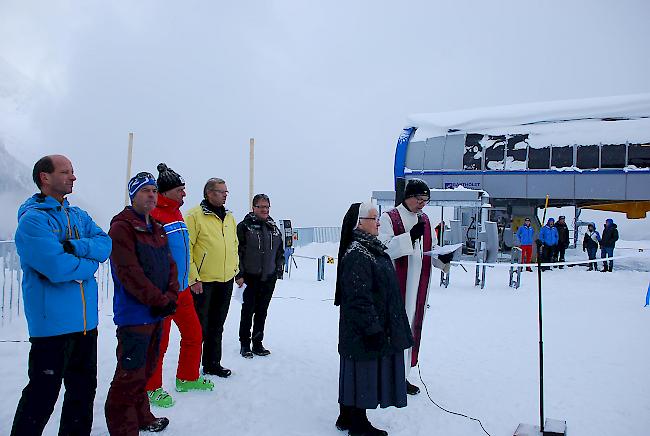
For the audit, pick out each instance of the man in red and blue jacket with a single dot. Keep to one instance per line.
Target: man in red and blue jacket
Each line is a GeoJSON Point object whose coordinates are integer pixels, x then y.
{"type": "Point", "coordinates": [171, 191]}
{"type": "Point", "coordinates": [146, 290]}
{"type": "Point", "coordinates": [526, 234]}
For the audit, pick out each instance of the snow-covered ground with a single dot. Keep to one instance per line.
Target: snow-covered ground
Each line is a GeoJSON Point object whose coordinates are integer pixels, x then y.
{"type": "Point", "coordinates": [479, 357]}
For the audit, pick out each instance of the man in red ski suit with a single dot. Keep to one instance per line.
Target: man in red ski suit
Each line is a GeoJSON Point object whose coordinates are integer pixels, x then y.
{"type": "Point", "coordinates": [171, 191]}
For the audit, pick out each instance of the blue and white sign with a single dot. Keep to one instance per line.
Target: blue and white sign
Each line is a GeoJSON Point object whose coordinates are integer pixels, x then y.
{"type": "Point", "coordinates": [468, 185]}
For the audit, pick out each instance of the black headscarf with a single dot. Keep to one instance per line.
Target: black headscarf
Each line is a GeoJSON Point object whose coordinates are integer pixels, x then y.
{"type": "Point", "coordinates": [350, 221]}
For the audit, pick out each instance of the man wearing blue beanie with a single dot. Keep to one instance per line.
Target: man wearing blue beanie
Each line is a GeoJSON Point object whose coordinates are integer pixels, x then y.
{"type": "Point", "coordinates": [146, 290]}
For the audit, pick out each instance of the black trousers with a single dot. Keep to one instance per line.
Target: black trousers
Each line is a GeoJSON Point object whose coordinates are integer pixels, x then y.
{"type": "Point", "coordinates": [257, 297]}
{"type": "Point", "coordinates": [71, 359]}
{"type": "Point", "coordinates": [127, 405]}
{"type": "Point", "coordinates": [548, 252]}
{"type": "Point", "coordinates": [212, 309]}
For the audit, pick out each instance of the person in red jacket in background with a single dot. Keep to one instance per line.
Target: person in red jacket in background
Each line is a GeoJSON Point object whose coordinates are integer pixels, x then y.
{"type": "Point", "coordinates": [171, 191]}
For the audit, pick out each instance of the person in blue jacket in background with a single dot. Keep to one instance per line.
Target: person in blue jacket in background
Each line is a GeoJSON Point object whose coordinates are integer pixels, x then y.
{"type": "Point", "coordinates": [60, 248]}
{"type": "Point", "coordinates": [526, 236]}
{"type": "Point", "coordinates": [549, 237]}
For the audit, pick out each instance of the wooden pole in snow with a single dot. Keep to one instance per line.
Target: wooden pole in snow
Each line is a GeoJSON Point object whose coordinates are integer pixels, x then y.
{"type": "Point", "coordinates": [129, 159]}
{"type": "Point", "coordinates": [251, 172]}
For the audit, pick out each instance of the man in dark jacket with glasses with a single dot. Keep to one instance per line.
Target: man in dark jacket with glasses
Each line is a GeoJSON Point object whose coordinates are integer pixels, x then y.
{"type": "Point", "coordinates": [261, 263]}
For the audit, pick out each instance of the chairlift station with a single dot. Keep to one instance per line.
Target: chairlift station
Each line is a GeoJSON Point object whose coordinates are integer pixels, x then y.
{"type": "Point", "coordinates": [581, 153]}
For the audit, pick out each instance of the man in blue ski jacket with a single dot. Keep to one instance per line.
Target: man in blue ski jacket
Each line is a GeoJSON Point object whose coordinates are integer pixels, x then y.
{"type": "Point", "coordinates": [526, 234]}
{"type": "Point", "coordinates": [60, 249]}
{"type": "Point", "coordinates": [549, 237]}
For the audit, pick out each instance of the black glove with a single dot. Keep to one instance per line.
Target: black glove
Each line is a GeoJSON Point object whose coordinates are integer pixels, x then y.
{"type": "Point", "coordinates": [538, 242]}
{"type": "Point", "coordinates": [68, 247]}
{"type": "Point", "coordinates": [164, 311]}
{"type": "Point", "coordinates": [417, 231]}
{"type": "Point", "coordinates": [374, 342]}
{"type": "Point", "coordinates": [446, 258]}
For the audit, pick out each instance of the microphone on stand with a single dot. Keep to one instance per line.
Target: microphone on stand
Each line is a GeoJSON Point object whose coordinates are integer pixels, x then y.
{"type": "Point", "coordinates": [418, 227]}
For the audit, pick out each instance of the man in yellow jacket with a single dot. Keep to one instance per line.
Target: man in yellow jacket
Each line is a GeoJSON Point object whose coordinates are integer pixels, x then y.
{"type": "Point", "coordinates": [214, 262]}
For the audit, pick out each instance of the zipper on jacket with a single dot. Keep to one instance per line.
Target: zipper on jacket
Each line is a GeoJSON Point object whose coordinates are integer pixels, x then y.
{"type": "Point", "coordinates": [81, 285]}
{"type": "Point", "coordinates": [83, 303]}
{"type": "Point", "coordinates": [69, 225]}
{"type": "Point", "coordinates": [223, 237]}
{"type": "Point", "coordinates": [187, 251]}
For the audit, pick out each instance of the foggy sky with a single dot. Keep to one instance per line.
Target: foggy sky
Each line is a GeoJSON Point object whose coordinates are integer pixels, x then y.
{"type": "Point", "coordinates": [324, 87]}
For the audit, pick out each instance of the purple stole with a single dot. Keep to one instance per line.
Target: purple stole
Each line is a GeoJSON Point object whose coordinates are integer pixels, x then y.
{"type": "Point", "coordinates": [401, 267]}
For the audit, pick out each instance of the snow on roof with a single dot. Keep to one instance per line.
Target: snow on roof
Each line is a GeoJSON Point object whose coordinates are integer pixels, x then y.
{"type": "Point", "coordinates": [522, 117]}
{"type": "Point", "coordinates": [584, 132]}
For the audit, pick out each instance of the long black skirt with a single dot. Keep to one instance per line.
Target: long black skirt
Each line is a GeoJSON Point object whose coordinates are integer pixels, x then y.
{"type": "Point", "coordinates": [367, 384]}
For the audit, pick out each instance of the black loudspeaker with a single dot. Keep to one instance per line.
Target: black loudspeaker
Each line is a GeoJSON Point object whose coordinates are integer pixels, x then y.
{"type": "Point", "coordinates": [288, 233]}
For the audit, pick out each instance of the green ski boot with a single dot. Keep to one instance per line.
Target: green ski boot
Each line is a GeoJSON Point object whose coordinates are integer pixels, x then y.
{"type": "Point", "coordinates": [200, 384]}
{"type": "Point", "coordinates": [160, 398]}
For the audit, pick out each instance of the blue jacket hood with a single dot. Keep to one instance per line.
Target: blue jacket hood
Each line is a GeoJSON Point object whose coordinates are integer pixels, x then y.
{"type": "Point", "coordinates": [42, 202]}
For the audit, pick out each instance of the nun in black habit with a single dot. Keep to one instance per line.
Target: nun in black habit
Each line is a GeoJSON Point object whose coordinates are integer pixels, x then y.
{"type": "Point", "coordinates": [373, 327]}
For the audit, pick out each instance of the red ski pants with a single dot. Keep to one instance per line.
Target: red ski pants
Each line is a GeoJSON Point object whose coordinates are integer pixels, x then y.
{"type": "Point", "coordinates": [189, 357]}
{"type": "Point", "coordinates": [526, 253]}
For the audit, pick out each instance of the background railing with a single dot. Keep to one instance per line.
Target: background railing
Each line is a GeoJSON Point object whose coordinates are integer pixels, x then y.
{"type": "Point", "coordinates": [11, 277]}
{"type": "Point", "coordinates": [11, 274]}
{"type": "Point", "coordinates": [307, 235]}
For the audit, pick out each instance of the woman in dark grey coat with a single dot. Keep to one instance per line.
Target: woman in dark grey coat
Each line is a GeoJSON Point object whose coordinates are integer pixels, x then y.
{"type": "Point", "coordinates": [373, 327]}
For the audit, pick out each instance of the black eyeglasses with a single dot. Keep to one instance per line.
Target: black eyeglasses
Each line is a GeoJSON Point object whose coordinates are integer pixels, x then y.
{"type": "Point", "coordinates": [422, 199]}
{"type": "Point", "coordinates": [369, 218]}
{"type": "Point", "coordinates": [262, 207]}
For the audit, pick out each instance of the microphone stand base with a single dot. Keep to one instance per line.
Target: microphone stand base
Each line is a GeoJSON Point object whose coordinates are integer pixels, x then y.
{"type": "Point", "coordinates": [552, 427]}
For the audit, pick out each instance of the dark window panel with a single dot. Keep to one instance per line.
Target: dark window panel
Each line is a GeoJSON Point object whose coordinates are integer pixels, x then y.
{"type": "Point", "coordinates": [517, 150]}
{"type": "Point", "coordinates": [612, 156]}
{"type": "Point", "coordinates": [538, 158]}
{"type": "Point", "coordinates": [495, 147]}
{"type": "Point", "coordinates": [587, 157]}
{"type": "Point", "coordinates": [473, 156]}
{"type": "Point", "coordinates": [562, 157]}
{"type": "Point", "coordinates": [639, 155]}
